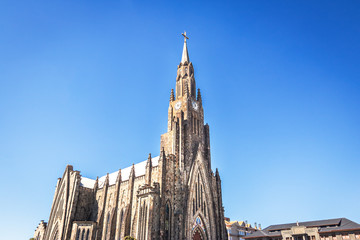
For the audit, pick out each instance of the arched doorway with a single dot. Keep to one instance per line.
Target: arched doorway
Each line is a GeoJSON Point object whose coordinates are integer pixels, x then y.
{"type": "Point", "coordinates": [198, 230]}
{"type": "Point", "coordinates": [197, 235]}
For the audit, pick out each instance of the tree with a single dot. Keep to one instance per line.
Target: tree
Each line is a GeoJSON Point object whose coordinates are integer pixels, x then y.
{"type": "Point", "coordinates": [129, 238]}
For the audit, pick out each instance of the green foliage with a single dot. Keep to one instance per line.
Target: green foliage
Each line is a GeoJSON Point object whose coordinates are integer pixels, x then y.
{"type": "Point", "coordinates": [129, 238]}
{"type": "Point", "coordinates": [32, 239]}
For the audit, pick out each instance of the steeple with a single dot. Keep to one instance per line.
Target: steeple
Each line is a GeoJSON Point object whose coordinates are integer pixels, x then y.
{"type": "Point", "coordinates": [185, 81]}
{"type": "Point", "coordinates": [185, 54]}
{"type": "Point", "coordinates": [185, 114]}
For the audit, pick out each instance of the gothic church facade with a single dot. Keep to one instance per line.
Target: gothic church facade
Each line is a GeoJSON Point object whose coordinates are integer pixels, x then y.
{"type": "Point", "coordinates": [173, 196]}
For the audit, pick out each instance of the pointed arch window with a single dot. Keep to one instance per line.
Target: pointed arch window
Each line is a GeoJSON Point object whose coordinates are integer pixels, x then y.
{"type": "Point", "coordinates": [167, 221]}
{"type": "Point", "coordinates": [204, 209]}
{"type": "Point", "coordinates": [121, 221]}
{"type": "Point", "coordinates": [107, 224]}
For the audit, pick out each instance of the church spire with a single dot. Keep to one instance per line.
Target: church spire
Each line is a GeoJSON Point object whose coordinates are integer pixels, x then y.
{"type": "Point", "coordinates": [185, 54]}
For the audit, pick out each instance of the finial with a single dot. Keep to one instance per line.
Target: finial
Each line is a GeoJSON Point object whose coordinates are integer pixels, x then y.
{"type": "Point", "coordinates": [217, 175]}
{"type": "Point", "coordinates": [118, 178]}
{"type": "Point", "coordinates": [198, 95]}
{"type": "Point", "coordinates": [172, 97]}
{"type": "Point", "coordinates": [96, 184]}
{"type": "Point", "coordinates": [132, 171]}
{"type": "Point", "coordinates": [149, 162]}
{"type": "Point", "coordinates": [107, 179]}
{"type": "Point", "coordinates": [185, 55]}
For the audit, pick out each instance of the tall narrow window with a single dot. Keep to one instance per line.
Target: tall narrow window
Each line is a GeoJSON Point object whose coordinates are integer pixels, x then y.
{"type": "Point", "coordinates": [107, 225]}
{"type": "Point", "coordinates": [78, 234]}
{"type": "Point", "coordinates": [201, 198]}
{"type": "Point", "coordinates": [167, 222]}
{"type": "Point", "coordinates": [141, 215]}
{"type": "Point", "coordinates": [121, 221]}
{"type": "Point", "coordinates": [194, 125]}
{"type": "Point", "coordinates": [145, 224]}
{"type": "Point", "coordinates": [82, 234]}
{"type": "Point", "coordinates": [87, 234]}
{"type": "Point", "coordinates": [198, 123]}
{"type": "Point", "coordinates": [198, 192]}
{"type": "Point", "coordinates": [204, 209]}
{"type": "Point", "coordinates": [196, 189]}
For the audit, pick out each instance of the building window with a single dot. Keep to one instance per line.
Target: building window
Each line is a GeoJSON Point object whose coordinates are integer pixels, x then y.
{"type": "Point", "coordinates": [345, 237]}
{"type": "Point", "coordinates": [204, 209]}
{"type": "Point", "coordinates": [167, 222]}
{"type": "Point", "coordinates": [107, 224]}
{"type": "Point", "coordinates": [121, 220]}
{"type": "Point", "coordinates": [87, 235]}
{"type": "Point", "coordinates": [82, 234]}
{"type": "Point", "coordinates": [78, 234]}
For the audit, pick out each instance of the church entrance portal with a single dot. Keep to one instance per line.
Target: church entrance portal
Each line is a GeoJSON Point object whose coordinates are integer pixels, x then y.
{"type": "Point", "coordinates": [197, 235]}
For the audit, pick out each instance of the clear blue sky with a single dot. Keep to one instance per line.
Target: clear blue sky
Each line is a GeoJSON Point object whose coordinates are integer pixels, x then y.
{"type": "Point", "coordinates": [87, 83]}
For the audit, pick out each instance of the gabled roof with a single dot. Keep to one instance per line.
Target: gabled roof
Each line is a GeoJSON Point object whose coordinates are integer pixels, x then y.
{"type": "Point", "coordinates": [320, 223]}
{"type": "Point", "coordinates": [328, 225]}
{"type": "Point", "coordinates": [140, 169]}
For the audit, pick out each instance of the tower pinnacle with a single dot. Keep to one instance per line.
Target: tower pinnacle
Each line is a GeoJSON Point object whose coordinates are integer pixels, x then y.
{"type": "Point", "coordinates": [185, 54]}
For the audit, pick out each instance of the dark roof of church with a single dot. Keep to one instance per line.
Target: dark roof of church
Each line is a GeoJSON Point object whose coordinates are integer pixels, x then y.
{"type": "Point", "coordinates": [329, 225]}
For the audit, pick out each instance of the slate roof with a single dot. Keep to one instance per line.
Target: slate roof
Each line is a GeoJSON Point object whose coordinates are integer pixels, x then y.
{"type": "Point", "coordinates": [125, 173]}
{"type": "Point", "coordinates": [324, 226]}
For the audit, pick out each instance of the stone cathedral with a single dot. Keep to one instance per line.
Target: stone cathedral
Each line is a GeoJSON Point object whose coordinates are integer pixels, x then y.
{"type": "Point", "coordinates": [172, 196]}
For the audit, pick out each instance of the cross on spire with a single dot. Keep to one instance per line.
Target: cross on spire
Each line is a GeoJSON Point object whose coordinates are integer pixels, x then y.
{"type": "Point", "coordinates": [185, 37]}
{"type": "Point", "coordinates": [185, 55]}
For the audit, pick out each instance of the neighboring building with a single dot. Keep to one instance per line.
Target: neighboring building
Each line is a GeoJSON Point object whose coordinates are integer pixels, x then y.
{"type": "Point", "coordinates": [331, 229]}
{"type": "Point", "coordinates": [173, 196]}
{"type": "Point", "coordinates": [237, 230]}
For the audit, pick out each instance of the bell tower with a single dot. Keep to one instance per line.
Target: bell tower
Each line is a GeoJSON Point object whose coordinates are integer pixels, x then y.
{"type": "Point", "coordinates": [186, 128]}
